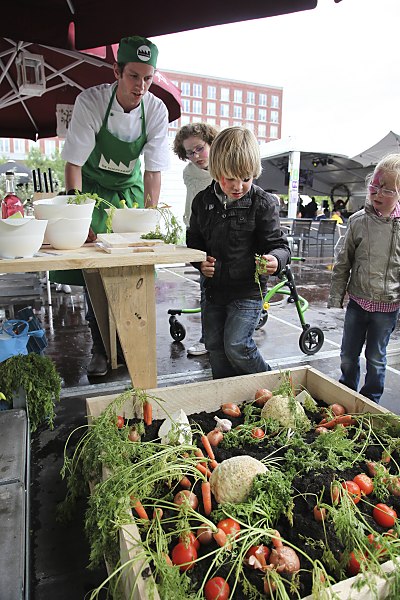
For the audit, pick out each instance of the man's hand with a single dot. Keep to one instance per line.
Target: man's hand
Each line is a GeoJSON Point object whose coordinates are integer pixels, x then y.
{"type": "Point", "coordinates": [92, 237]}
{"type": "Point", "coordinates": [207, 267]}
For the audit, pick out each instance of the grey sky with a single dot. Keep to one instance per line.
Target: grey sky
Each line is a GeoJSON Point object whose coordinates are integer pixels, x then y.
{"type": "Point", "coordinates": [338, 65]}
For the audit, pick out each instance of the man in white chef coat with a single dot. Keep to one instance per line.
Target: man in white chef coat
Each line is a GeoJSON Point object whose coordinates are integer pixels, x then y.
{"type": "Point", "coordinates": [111, 126]}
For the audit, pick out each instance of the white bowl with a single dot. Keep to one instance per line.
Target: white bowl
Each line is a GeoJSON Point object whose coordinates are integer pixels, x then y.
{"type": "Point", "coordinates": [67, 234]}
{"type": "Point", "coordinates": [130, 220]}
{"type": "Point", "coordinates": [21, 237]}
{"type": "Point", "coordinates": [58, 208]}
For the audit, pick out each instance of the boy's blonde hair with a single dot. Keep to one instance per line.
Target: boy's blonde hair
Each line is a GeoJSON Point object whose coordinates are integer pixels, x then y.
{"type": "Point", "coordinates": [389, 164]}
{"type": "Point", "coordinates": [235, 154]}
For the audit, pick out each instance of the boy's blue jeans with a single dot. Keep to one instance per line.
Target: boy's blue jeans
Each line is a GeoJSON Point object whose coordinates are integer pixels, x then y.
{"type": "Point", "coordinates": [229, 338]}
{"type": "Point", "coordinates": [375, 329]}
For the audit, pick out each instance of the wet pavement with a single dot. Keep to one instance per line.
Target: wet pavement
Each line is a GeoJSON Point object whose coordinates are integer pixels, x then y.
{"type": "Point", "coordinates": [59, 553]}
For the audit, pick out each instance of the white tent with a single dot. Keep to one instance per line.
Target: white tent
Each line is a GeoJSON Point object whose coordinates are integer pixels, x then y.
{"type": "Point", "coordinates": [387, 145]}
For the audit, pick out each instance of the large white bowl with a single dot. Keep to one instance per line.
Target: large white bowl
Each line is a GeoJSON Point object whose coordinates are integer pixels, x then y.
{"type": "Point", "coordinates": [21, 237]}
{"type": "Point", "coordinates": [67, 234]}
{"type": "Point", "coordinates": [58, 208]}
{"type": "Point", "coordinates": [130, 220]}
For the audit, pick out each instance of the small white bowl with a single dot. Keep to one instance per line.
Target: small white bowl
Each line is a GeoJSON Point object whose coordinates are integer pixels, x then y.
{"type": "Point", "coordinates": [21, 237]}
{"type": "Point", "coordinates": [132, 220]}
{"type": "Point", "coordinates": [67, 234]}
{"type": "Point", "coordinates": [58, 208]}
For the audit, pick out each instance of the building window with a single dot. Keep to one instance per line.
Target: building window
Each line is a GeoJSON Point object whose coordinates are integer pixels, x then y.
{"type": "Point", "coordinates": [197, 107]}
{"type": "Point", "coordinates": [237, 123]}
{"type": "Point", "coordinates": [262, 131]}
{"type": "Point", "coordinates": [19, 146]}
{"type": "Point", "coordinates": [275, 101]}
{"type": "Point", "coordinates": [225, 94]}
{"type": "Point", "coordinates": [61, 145]}
{"type": "Point", "coordinates": [211, 110]}
{"type": "Point", "coordinates": [211, 121]}
{"type": "Point", "coordinates": [4, 145]}
{"type": "Point", "coordinates": [262, 99]}
{"type": "Point", "coordinates": [176, 83]}
{"type": "Point", "coordinates": [273, 131]}
{"type": "Point", "coordinates": [237, 96]}
{"type": "Point", "coordinates": [174, 124]}
{"type": "Point", "coordinates": [250, 126]}
{"type": "Point", "coordinates": [251, 98]}
{"type": "Point", "coordinates": [185, 88]}
{"type": "Point", "coordinates": [224, 123]}
{"type": "Point", "coordinates": [250, 113]}
{"type": "Point", "coordinates": [237, 112]}
{"type": "Point", "coordinates": [274, 116]}
{"type": "Point", "coordinates": [185, 105]}
{"type": "Point", "coordinates": [262, 114]}
{"type": "Point", "coordinates": [49, 147]}
{"type": "Point", "coordinates": [212, 92]}
{"type": "Point", "coordinates": [224, 110]}
{"type": "Point", "coordinates": [197, 90]}
{"type": "Point", "coordinates": [185, 120]}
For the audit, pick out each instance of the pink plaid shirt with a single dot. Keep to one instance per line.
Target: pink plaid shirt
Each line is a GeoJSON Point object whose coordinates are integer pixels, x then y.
{"type": "Point", "coordinates": [370, 305]}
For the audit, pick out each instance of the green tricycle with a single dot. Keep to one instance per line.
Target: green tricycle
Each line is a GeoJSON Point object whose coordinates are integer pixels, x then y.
{"type": "Point", "coordinates": [311, 339]}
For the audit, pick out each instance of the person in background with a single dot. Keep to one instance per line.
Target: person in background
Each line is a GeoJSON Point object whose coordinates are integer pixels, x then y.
{"type": "Point", "coordinates": [310, 210]}
{"type": "Point", "coordinates": [336, 216]}
{"type": "Point", "coordinates": [192, 142]}
{"type": "Point", "coordinates": [367, 268]}
{"type": "Point", "coordinates": [233, 220]}
{"type": "Point", "coordinates": [321, 214]}
{"type": "Point", "coordinates": [111, 126]}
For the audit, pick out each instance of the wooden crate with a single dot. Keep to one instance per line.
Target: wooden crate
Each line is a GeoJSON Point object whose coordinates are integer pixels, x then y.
{"type": "Point", "coordinates": [208, 396]}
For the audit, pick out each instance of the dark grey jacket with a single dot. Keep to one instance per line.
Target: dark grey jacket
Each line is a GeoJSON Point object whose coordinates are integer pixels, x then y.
{"type": "Point", "coordinates": [368, 265]}
{"type": "Point", "coordinates": [233, 233]}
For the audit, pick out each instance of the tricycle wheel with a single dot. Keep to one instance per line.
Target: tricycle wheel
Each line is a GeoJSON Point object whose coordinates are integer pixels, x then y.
{"type": "Point", "coordinates": [177, 331]}
{"type": "Point", "coordinates": [311, 340]}
{"type": "Point", "coordinates": [263, 319]}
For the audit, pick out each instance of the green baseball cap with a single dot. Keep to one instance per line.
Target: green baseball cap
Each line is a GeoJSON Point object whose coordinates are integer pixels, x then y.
{"type": "Point", "coordinates": [137, 49]}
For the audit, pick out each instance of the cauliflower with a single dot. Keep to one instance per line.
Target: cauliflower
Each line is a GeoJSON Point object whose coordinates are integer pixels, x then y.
{"type": "Point", "coordinates": [232, 480]}
{"type": "Point", "coordinates": [288, 412]}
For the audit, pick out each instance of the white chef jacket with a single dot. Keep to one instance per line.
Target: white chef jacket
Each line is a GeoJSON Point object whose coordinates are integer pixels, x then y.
{"type": "Point", "coordinates": [88, 115]}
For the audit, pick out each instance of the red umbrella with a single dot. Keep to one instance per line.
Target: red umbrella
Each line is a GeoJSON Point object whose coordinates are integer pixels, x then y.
{"type": "Point", "coordinates": [66, 74]}
{"type": "Point", "coordinates": [97, 22]}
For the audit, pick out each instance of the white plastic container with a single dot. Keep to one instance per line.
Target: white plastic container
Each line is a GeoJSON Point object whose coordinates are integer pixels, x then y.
{"type": "Point", "coordinates": [58, 208]}
{"type": "Point", "coordinates": [133, 220]}
{"type": "Point", "coordinates": [67, 234]}
{"type": "Point", "coordinates": [21, 237]}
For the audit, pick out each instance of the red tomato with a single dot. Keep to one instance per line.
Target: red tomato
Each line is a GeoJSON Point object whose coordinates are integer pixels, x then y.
{"type": "Point", "coordinates": [384, 515]}
{"type": "Point", "coordinates": [319, 513]}
{"type": "Point", "coordinates": [217, 589]}
{"type": "Point", "coordinates": [230, 526]}
{"type": "Point", "coordinates": [335, 492]}
{"type": "Point", "coordinates": [254, 550]}
{"type": "Point", "coordinates": [182, 554]}
{"type": "Point", "coordinates": [257, 433]}
{"type": "Point", "coordinates": [189, 538]}
{"type": "Point", "coordinates": [394, 485]}
{"type": "Point", "coordinates": [365, 483]}
{"type": "Point", "coordinates": [120, 422]}
{"type": "Point", "coordinates": [353, 566]}
{"type": "Point", "coordinates": [352, 489]}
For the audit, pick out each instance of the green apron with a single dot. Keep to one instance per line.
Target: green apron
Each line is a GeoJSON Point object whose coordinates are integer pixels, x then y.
{"type": "Point", "coordinates": [113, 172]}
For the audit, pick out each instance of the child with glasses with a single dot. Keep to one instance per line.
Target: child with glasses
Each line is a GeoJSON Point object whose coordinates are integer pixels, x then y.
{"type": "Point", "coordinates": [192, 142]}
{"type": "Point", "coordinates": [367, 268]}
{"type": "Point", "coordinates": [233, 220]}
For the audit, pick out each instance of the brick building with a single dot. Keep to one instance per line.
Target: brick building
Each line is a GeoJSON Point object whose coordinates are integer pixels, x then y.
{"type": "Point", "coordinates": [227, 102]}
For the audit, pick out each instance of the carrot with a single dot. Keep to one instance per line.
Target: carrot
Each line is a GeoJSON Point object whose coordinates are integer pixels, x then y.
{"type": "Point", "coordinates": [199, 453]}
{"type": "Point", "coordinates": [185, 483]}
{"type": "Point", "coordinates": [340, 420]}
{"type": "Point", "coordinates": [158, 513]}
{"type": "Point", "coordinates": [206, 495]}
{"type": "Point", "coordinates": [220, 537]}
{"type": "Point", "coordinates": [200, 467]}
{"type": "Point", "coordinates": [147, 413]}
{"type": "Point", "coordinates": [213, 464]}
{"type": "Point", "coordinates": [139, 508]}
{"type": "Point", "coordinates": [206, 443]}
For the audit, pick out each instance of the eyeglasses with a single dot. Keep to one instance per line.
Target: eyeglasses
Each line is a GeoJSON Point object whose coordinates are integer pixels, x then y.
{"type": "Point", "coordinates": [198, 150]}
{"type": "Point", "coordinates": [375, 189]}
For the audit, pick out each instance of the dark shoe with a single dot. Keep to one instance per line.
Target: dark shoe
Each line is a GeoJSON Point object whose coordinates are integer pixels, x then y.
{"type": "Point", "coordinates": [98, 366]}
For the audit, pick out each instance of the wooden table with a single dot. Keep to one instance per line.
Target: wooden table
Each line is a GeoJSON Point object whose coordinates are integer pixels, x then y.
{"type": "Point", "coordinates": [121, 286]}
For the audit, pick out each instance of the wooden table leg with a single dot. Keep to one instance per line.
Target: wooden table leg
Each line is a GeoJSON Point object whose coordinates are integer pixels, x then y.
{"type": "Point", "coordinates": [99, 302]}
{"type": "Point", "coordinates": [130, 293]}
